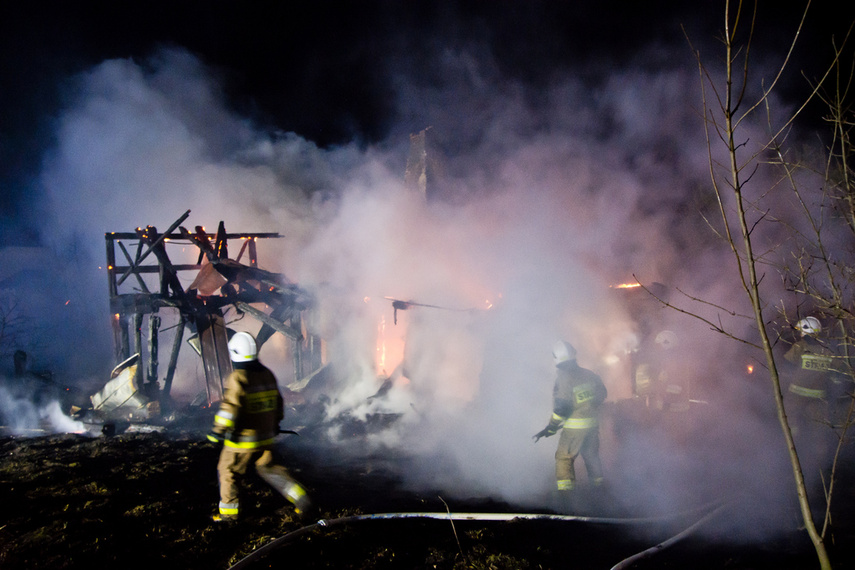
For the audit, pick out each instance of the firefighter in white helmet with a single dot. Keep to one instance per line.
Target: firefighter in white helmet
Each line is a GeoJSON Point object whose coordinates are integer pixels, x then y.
{"type": "Point", "coordinates": [812, 375]}
{"type": "Point", "coordinates": [813, 363]}
{"type": "Point", "coordinates": [246, 424]}
{"type": "Point", "coordinates": [577, 397]}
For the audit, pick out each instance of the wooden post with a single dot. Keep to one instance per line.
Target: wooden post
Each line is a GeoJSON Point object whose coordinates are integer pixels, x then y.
{"type": "Point", "coordinates": [138, 344]}
{"type": "Point", "coordinates": [153, 327]}
{"type": "Point", "coordinates": [119, 335]}
{"type": "Point", "coordinates": [111, 265]}
{"type": "Point", "coordinates": [253, 254]}
{"type": "Point", "coordinates": [173, 357]}
{"type": "Point", "coordinates": [126, 338]}
{"type": "Point", "coordinates": [298, 351]}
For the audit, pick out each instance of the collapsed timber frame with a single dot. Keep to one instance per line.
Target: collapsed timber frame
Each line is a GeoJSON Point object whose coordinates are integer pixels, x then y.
{"type": "Point", "coordinates": [220, 282]}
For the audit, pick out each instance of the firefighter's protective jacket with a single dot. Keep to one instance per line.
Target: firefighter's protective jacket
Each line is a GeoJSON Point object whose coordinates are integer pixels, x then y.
{"type": "Point", "coordinates": [577, 396]}
{"type": "Point", "coordinates": [814, 363]}
{"type": "Point", "coordinates": [251, 409]}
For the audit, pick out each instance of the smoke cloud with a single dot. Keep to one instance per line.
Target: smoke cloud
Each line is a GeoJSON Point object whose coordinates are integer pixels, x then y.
{"type": "Point", "coordinates": [551, 196]}
{"type": "Point", "coordinates": [25, 413]}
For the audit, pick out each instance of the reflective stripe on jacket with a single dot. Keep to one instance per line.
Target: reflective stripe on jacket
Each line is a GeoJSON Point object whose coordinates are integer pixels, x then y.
{"type": "Point", "coordinates": [580, 423]}
{"type": "Point", "coordinates": [807, 392]}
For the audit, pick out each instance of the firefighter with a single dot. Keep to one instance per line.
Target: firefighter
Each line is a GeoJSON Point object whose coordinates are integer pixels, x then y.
{"type": "Point", "coordinates": [577, 397]}
{"type": "Point", "coordinates": [809, 377]}
{"type": "Point", "coordinates": [671, 393]}
{"type": "Point", "coordinates": [246, 424]}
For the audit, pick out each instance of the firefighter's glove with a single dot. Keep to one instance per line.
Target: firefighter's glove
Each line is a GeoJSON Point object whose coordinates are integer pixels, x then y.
{"type": "Point", "coordinates": [549, 430]}
{"type": "Point", "coordinates": [215, 437]}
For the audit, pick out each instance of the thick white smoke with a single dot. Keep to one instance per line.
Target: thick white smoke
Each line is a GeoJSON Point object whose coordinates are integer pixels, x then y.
{"type": "Point", "coordinates": [24, 413]}
{"type": "Point", "coordinates": [554, 196]}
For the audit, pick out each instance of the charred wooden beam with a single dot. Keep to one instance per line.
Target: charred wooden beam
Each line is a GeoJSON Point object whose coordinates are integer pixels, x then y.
{"type": "Point", "coordinates": [156, 268]}
{"type": "Point", "coordinates": [271, 322]}
{"type": "Point", "coordinates": [168, 276]}
{"type": "Point", "coordinates": [151, 247]}
{"type": "Point", "coordinates": [424, 170]}
{"type": "Point", "coordinates": [202, 241]}
{"type": "Point", "coordinates": [111, 265]}
{"type": "Point", "coordinates": [280, 314]}
{"type": "Point", "coordinates": [253, 253]}
{"type": "Point", "coordinates": [243, 250]}
{"type": "Point", "coordinates": [173, 356]}
{"type": "Point", "coordinates": [221, 246]}
{"type": "Point", "coordinates": [180, 236]}
{"type": "Point", "coordinates": [142, 303]}
{"type": "Point", "coordinates": [153, 328]}
{"type": "Point", "coordinates": [298, 351]}
{"type": "Point", "coordinates": [131, 262]}
{"type": "Point", "coordinates": [137, 320]}
{"type": "Point", "coordinates": [121, 343]}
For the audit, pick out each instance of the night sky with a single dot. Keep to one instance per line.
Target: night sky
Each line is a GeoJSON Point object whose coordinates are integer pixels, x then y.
{"type": "Point", "coordinates": [325, 70]}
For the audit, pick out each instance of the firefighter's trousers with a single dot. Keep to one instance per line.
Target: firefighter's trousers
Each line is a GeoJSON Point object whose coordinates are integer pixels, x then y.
{"type": "Point", "coordinates": [233, 465]}
{"type": "Point", "coordinates": [571, 444]}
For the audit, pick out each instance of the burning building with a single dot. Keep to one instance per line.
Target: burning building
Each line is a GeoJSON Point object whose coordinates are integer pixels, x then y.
{"type": "Point", "coordinates": [139, 386]}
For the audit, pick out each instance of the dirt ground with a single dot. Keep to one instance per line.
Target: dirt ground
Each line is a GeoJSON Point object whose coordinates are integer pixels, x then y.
{"type": "Point", "coordinates": [144, 500]}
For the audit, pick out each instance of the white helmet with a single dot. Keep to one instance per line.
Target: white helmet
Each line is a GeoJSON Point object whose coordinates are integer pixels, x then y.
{"type": "Point", "coordinates": [242, 348]}
{"type": "Point", "coordinates": [809, 325]}
{"type": "Point", "coordinates": [666, 339]}
{"type": "Point", "coordinates": [563, 351]}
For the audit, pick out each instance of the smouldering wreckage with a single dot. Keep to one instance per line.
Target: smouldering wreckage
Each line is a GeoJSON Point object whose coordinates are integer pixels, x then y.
{"type": "Point", "coordinates": [136, 391]}
{"type": "Point", "coordinates": [139, 389]}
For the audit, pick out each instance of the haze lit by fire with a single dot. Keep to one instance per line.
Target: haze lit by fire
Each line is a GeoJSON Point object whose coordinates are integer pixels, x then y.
{"type": "Point", "coordinates": [549, 199]}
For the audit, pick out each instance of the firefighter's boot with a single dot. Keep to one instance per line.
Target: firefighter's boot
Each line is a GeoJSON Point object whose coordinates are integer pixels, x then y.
{"type": "Point", "coordinates": [223, 520]}
{"type": "Point", "coordinates": [278, 478]}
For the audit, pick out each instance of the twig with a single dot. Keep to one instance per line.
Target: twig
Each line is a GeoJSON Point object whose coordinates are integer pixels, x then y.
{"type": "Point", "coordinates": [453, 529]}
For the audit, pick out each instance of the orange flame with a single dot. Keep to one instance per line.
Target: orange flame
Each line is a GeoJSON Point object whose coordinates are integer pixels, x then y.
{"type": "Point", "coordinates": [389, 350]}
{"type": "Point", "coordinates": [381, 345]}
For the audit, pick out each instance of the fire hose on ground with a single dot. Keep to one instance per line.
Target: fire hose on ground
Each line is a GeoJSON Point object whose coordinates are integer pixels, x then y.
{"type": "Point", "coordinates": [717, 508]}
